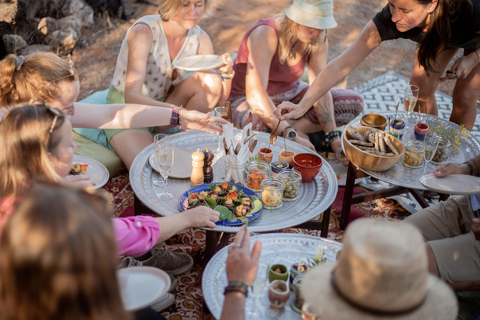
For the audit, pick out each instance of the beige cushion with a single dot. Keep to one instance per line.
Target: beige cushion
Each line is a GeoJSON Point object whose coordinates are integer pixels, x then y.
{"type": "Point", "coordinates": [91, 149]}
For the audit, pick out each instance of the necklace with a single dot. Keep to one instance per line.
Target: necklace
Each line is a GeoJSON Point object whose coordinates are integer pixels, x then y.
{"type": "Point", "coordinates": [291, 54]}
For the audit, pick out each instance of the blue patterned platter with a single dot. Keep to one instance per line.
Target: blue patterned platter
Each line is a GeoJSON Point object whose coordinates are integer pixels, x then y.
{"type": "Point", "coordinates": [204, 187]}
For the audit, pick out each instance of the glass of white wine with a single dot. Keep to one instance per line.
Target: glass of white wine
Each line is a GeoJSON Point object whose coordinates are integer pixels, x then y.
{"type": "Point", "coordinates": [219, 112]}
{"type": "Point", "coordinates": [165, 156]}
{"type": "Point", "coordinates": [410, 100]}
{"type": "Point", "coordinates": [431, 143]}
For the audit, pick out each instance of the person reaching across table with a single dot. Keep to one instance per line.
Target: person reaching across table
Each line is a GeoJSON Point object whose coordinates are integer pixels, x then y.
{"type": "Point", "coordinates": [440, 27]}
{"type": "Point", "coordinates": [271, 58]}
{"type": "Point", "coordinates": [36, 142]}
{"type": "Point", "coordinates": [48, 78]}
{"type": "Point", "coordinates": [144, 72]}
{"type": "Point", "coordinates": [452, 231]}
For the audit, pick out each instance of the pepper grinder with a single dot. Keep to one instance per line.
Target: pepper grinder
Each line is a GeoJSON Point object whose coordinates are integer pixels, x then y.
{"type": "Point", "coordinates": [196, 177]}
{"type": "Point", "coordinates": [207, 166]}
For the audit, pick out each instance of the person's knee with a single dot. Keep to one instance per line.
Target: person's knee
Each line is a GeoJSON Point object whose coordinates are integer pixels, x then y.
{"type": "Point", "coordinates": [212, 84]}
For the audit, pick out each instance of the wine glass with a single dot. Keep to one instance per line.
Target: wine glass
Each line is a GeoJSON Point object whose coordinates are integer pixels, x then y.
{"type": "Point", "coordinates": [256, 289]}
{"type": "Point", "coordinates": [410, 100]}
{"type": "Point", "coordinates": [165, 156]}
{"type": "Point", "coordinates": [431, 143]}
{"type": "Point", "coordinates": [219, 112]}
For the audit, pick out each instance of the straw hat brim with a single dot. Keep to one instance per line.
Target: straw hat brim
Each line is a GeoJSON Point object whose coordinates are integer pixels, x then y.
{"type": "Point", "coordinates": [440, 302]}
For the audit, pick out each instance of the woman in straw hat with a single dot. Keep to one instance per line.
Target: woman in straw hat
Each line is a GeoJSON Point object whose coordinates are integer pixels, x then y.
{"type": "Point", "coordinates": [381, 273]}
{"type": "Point", "coordinates": [271, 58]}
{"type": "Point", "coordinates": [452, 231]}
{"type": "Point", "coordinates": [440, 27]}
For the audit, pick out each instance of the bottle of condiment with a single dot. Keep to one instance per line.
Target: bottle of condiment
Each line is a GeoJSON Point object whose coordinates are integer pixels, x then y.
{"type": "Point", "coordinates": [196, 177]}
{"type": "Point", "coordinates": [207, 166]}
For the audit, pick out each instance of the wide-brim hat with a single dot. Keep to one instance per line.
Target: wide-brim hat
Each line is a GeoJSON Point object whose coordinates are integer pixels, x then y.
{"type": "Point", "coordinates": [317, 14]}
{"type": "Point", "coordinates": [381, 273]}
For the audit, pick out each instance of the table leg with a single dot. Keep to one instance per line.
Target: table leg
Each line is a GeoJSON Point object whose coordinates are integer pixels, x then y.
{"type": "Point", "coordinates": [419, 197]}
{"type": "Point", "coordinates": [348, 195]}
{"type": "Point", "coordinates": [139, 207]}
{"type": "Point", "coordinates": [211, 242]}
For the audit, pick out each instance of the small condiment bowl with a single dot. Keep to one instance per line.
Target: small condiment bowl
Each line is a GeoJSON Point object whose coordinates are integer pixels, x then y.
{"type": "Point", "coordinates": [308, 164]}
{"type": "Point", "coordinates": [374, 120]}
{"type": "Point", "coordinates": [287, 156]}
{"type": "Point", "coordinates": [265, 154]}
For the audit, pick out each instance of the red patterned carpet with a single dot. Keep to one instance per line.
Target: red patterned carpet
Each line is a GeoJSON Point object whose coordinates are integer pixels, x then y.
{"type": "Point", "coordinates": [189, 302]}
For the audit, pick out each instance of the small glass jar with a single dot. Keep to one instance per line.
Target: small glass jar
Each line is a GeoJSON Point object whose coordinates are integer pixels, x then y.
{"type": "Point", "coordinates": [234, 173]}
{"type": "Point", "coordinates": [443, 150]}
{"type": "Point", "coordinates": [414, 154]}
{"type": "Point", "coordinates": [255, 172]}
{"type": "Point", "coordinates": [277, 167]}
{"type": "Point", "coordinates": [272, 193]}
{"type": "Point", "coordinates": [292, 179]}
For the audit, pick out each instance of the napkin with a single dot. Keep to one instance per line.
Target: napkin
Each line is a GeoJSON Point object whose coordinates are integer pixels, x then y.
{"type": "Point", "coordinates": [237, 149]}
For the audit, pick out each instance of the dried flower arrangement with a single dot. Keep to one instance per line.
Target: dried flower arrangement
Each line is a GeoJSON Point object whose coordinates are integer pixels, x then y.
{"type": "Point", "coordinates": [450, 134]}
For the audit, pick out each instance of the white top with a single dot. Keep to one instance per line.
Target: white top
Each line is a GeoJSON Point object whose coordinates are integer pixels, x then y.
{"type": "Point", "coordinates": [159, 63]}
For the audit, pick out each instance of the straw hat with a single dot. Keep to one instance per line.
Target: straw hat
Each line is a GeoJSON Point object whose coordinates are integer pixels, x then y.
{"type": "Point", "coordinates": [316, 14]}
{"type": "Point", "coordinates": [381, 273]}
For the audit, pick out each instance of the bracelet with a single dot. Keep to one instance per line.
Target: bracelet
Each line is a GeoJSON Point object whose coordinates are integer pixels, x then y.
{"type": "Point", "coordinates": [227, 76]}
{"type": "Point", "coordinates": [470, 166]}
{"type": "Point", "coordinates": [175, 119]}
{"type": "Point", "coordinates": [236, 286]}
{"type": "Point", "coordinates": [332, 135]}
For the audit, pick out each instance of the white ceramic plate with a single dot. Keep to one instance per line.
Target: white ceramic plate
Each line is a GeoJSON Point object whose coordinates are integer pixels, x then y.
{"type": "Point", "coordinates": [182, 163]}
{"type": "Point", "coordinates": [141, 286]}
{"type": "Point", "coordinates": [97, 172]}
{"type": "Point", "coordinates": [199, 62]}
{"type": "Point", "coordinates": [452, 184]}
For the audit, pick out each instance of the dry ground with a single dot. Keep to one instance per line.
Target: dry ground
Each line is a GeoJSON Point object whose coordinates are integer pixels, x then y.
{"type": "Point", "coordinates": [95, 56]}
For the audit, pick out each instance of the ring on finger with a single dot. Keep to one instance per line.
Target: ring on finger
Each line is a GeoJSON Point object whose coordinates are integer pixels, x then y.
{"type": "Point", "coordinates": [237, 245]}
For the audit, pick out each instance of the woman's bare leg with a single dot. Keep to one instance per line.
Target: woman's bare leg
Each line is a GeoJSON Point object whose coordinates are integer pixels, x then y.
{"type": "Point", "coordinates": [129, 143]}
{"type": "Point", "coordinates": [428, 84]}
{"type": "Point", "coordinates": [201, 91]}
{"type": "Point", "coordinates": [465, 96]}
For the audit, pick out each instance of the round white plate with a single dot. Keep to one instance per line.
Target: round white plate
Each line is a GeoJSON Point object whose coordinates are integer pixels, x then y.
{"type": "Point", "coordinates": [141, 286]}
{"type": "Point", "coordinates": [199, 62]}
{"type": "Point", "coordinates": [182, 163]}
{"type": "Point", "coordinates": [97, 172]}
{"type": "Point", "coordinates": [452, 184]}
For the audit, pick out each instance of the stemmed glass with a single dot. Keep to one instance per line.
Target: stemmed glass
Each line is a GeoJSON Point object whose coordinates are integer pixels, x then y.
{"type": "Point", "coordinates": [431, 143]}
{"type": "Point", "coordinates": [219, 112]}
{"type": "Point", "coordinates": [165, 155]}
{"type": "Point", "coordinates": [410, 100]}
{"type": "Point", "coordinates": [256, 289]}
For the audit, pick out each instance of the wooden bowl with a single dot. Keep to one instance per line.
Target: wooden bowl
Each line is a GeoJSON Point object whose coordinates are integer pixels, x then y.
{"type": "Point", "coordinates": [369, 161]}
{"type": "Point", "coordinates": [374, 120]}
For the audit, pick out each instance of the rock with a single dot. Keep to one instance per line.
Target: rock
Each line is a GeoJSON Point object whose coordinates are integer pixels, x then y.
{"type": "Point", "coordinates": [64, 40]}
{"type": "Point", "coordinates": [47, 25]}
{"type": "Point", "coordinates": [36, 48]}
{"type": "Point", "coordinates": [72, 22]}
{"type": "Point", "coordinates": [13, 43]}
{"type": "Point", "coordinates": [9, 11]}
{"type": "Point", "coordinates": [79, 8]}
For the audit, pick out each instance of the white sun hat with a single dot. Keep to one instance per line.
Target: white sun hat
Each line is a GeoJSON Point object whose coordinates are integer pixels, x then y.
{"type": "Point", "coordinates": [381, 273]}
{"type": "Point", "coordinates": [317, 14]}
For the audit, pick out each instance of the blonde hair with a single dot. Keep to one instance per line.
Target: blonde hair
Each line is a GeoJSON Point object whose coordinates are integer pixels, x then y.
{"type": "Point", "coordinates": [169, 8]}
{"type": "Point", "coordinates": [37, 77]}
{"type": "Point", "coordinates": [26, 138]}
{"type": "Point", "coordinates": [287, 31]}
{"type": "Point", "coordinates": [58, 258]}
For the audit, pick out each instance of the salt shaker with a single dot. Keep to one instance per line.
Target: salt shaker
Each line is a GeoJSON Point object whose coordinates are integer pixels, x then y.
{"type": "Point", "coordinates": [196, 178]}
{"type": "Point", "coordinates": [207, 166]}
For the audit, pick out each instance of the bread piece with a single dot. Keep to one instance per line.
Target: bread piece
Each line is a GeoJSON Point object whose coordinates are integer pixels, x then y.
{"type": "Point", "coordinates": [391, 146]}
{"type": "Point", "coordinates": [354, 133]}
